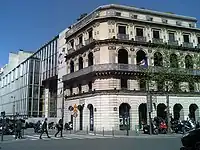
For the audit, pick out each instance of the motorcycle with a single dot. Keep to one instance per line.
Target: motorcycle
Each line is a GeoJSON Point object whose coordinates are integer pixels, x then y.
{"type": "Point", "coordinates": [146, 129]}
{"type": "Point", "coordinates": [163, 128]}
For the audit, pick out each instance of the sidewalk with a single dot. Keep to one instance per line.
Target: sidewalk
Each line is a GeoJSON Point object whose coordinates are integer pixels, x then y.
{"type": "Point", "coordinates": [123, 134]}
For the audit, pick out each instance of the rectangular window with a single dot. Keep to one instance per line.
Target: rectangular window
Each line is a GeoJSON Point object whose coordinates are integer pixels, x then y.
{"type": "Point", "coordinates": [156, 34]}
{"type": "Point", "coordinates": [90, 33]}
{"type": "Point", "coordinates": [124, 83]}
{"type": "Point", "coordinates": [71, 90]}
{"type": "Point", "coordinates": [139, 32]}
{"type": "Point", "coordinates": [72, 43]}
{"type": "Point", "coordinates": [186, 38]}
{"type": "Point", "coordinates": [80, 38]}
{"type": "Point", "coordinates": [198, 39]}
{"type": "Point", "coordinates": [80, 88]}
{"type": "Point", "coordinates": [135, 16]}
{"type": "Point", "coordinates": [171, 37]}
{"type": "Point", "coordinates": [191, 86]}
{"type": "Point", "coordinates": [90, 86]}
{"type": "Point", "coordinates": [122, 29]}
{"type": "Point", "coordinates": [142, 85]}
{"type": "Point", "coordinates": [118, 14]}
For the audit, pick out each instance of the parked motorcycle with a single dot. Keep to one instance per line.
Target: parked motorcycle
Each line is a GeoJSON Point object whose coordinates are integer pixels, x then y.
{"type": "Point", "coordinates": [146, 129]}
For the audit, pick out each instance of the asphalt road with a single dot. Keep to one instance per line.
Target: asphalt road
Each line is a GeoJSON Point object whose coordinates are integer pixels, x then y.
{"type": "Point", "coordinates": [143, 143]}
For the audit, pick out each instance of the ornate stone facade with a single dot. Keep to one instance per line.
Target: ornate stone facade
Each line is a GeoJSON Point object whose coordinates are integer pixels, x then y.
{"type": "Point", "coordinates": [105, 77]}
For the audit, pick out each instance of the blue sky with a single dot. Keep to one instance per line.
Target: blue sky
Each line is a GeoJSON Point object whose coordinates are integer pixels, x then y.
{"type": "Point", "coordinates": [28, 24]}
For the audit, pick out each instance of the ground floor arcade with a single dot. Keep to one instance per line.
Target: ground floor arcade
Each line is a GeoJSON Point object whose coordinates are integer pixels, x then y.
{"type": "Point", "coordinates": [117, 111]}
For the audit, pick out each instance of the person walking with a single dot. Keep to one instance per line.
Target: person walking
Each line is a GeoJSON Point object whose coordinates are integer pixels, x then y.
{"type": "Point", "coordinates": [59, 127]}
{"type": "Point", "coordinates": [44, 129]}
{"type": "Point", "coordinates": [18, 127]}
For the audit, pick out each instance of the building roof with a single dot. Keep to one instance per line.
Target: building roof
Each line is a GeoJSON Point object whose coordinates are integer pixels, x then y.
{"type": "Point", "coordinates": [152, 12]}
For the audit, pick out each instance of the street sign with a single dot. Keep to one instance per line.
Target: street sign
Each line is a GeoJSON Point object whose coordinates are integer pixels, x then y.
{"type": "Point", "coordinates": [75, 108]}
{"type": "Point", "coordinates": [75, 114]}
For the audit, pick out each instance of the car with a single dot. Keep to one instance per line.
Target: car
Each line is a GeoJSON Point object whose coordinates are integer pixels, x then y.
{"type": "Point", "coordinates": [191, 140]}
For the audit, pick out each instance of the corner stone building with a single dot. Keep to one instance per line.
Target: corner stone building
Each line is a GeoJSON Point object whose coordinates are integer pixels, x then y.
{"type": "Point", "coordinates": [100, 61]}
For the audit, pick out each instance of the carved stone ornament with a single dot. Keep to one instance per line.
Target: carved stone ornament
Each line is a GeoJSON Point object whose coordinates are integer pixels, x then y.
{"type": "Point", "coordinates": [97, 24]}
{"type": "Point", "coordinates": [84, 54]}
{"type": "Point", "coordinates": [149, 50]}
{"type": "Point", "coordinates": [132, 49]}
{"type": "Point", "coordinates": [112, 22]}
{"type": "Point", "coordinates": [109, 22]}
{"type": "Point", "coordinates": [96, 49]}
{"type": "Point", "coordinates": [131, 24]}
{"type": "Point", "coordinates": [112, 47]}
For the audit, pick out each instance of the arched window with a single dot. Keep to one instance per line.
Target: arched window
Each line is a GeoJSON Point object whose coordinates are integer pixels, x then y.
{"type": "Point", "coordinates": [122, 56]}
{"type": "Point", "coordinates": [188, 62]}
{"type": "Point", "coordinates": [71, 66]}
{"type": "Point", "coordinates": [90, 59]}
{"type": "Point", "coordinates": [158, 59]}
{"type": "Point", "coordinates": [80, 63]}
{"type": "Point", "coordinates": [173, 61]}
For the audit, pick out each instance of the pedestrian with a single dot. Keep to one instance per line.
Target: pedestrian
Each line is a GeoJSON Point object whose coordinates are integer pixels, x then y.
{"type": "Point", "coordinates": [18, 127]}
{"type": "Point", "coordinates": [59, 127]}
{"type": "Point", "coordinates": [44, 129]}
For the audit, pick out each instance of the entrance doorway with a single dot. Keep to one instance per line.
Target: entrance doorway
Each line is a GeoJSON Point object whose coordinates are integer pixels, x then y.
{"type": "Point", "coordinates": [91, 116]}
{"type": "Point", "coordinates": [142, 114]}
{"type": "Point", "coordinates": [124, 116]}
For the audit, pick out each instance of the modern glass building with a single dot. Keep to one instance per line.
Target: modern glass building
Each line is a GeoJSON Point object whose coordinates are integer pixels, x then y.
{"type": "Point", "coordinates": [23, 85]}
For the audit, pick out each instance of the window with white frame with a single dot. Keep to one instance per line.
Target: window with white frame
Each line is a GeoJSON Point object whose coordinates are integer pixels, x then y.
{"type": "Point", "coordinates": [71, 42]}
{"type": "Point", "coordinates": [198, 39]}
{"type": "Point", "coordinates": [140, 32]}
{"type": "Point", "coordinates": [186, 38]}
{"type": "Point", "coordinates": [156, 34]}
{"type": "Point", "coordinates": [121, 29]}
{"type": "Point", "coordinates": [171, 36]}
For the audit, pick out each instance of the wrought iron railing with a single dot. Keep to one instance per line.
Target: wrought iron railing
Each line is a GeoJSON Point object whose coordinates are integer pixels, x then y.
{"type": "Point", "coordinates": [140, 38]}
{"type": "Point", "coordinates": [88, 41]}
{"type": "Point", "coordinates": [187, 44]}
{"type": "Point", "coordinates": [122, 36]}
{"type": "Point", "coordinates": [174, 43]}
{"type": "Point", "coordinates": [130, 68]}
{"type": "Point", "coordinates": [157, 41]}
{"type": "Point", "coordinates": [79, 46]}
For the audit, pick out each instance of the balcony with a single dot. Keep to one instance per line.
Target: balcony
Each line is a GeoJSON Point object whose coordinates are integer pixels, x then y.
{"type": "Point", "coordinates": [79, 46]}
{"type": "Point", "coordinates": [187, 45]}
{"type": "Point", "coordinates": [157, 41]}
{"type": "Point", "coordinates": [173, 43]}
{"type": "Point", "coordinates": [140, 39]}
{"type": "Point", "coordinates": [129, 68]}
{"type": "Point", "coordinates": [122, 36]}
{"type": "Point", "coordinates": [71, 50]}
{"type": "Point", "coordinates": [88, 41]}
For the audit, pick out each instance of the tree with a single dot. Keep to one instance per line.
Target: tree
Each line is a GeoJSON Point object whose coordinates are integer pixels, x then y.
{"type": "Point", "coordinates": [168, 75]}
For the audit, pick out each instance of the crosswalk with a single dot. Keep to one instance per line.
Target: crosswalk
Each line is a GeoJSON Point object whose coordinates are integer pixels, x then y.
{"type": "Point", "coordinates": [65, 137]}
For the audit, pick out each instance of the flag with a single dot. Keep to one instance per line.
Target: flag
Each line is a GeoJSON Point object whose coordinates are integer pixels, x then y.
{"type": "Point", "coordinates": [143, 62]}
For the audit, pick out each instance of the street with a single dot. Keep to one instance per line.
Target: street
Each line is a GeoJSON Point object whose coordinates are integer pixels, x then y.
{"type": "Point", "coordinates": [91, 142]}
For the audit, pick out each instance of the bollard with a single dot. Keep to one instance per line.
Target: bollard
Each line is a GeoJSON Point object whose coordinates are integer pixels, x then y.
{"type": "Point", "coordinates": [127, 131]}
{"type": "Point", "coordinates": [103, 131]}
{"type": "Point", "coordinates": [94, 131]}
{"type": "Point", "coordinates": [87, 130]}
{"type": "Point", "coordinates": [112, 132]}
{"type": "Point", "coordinates": [2, 129]}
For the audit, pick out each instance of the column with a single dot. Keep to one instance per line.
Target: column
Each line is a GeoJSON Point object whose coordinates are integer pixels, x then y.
{"type": "Point", "coordinates": [46, 102]}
